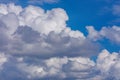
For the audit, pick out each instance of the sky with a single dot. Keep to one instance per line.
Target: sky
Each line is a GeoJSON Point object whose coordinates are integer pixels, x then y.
{"type": "Point", "coordinates": [60, 39]}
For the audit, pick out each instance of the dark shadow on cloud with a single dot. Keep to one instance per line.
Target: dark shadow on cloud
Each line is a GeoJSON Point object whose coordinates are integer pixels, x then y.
{"type": "Point", "coordinates": [4, 40]}
{"type": "Point", "coordinates": [55, 45]}
{"type": "Point", "coordinates": [27, 34]}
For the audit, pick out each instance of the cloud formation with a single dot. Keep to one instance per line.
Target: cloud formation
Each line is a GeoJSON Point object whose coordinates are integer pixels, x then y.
{"type": "Point", "coordinates": [110, 33]}
{"type": "Point", "coordinates": [37, 44]}
{"type": "Point", "coordinates": [106, 67]}
{"type": "Point", "coordinates": [44, 33]}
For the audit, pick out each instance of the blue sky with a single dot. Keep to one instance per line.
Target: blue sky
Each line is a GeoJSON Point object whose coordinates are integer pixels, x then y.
{"type": "Point", "coordinates": [60, 39]}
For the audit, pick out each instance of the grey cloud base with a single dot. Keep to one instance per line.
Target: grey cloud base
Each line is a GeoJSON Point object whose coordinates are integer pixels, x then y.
{"type": "Point", "coordinates": [64, 68]}
{"type": "Point", "coordinates": [36, 44]}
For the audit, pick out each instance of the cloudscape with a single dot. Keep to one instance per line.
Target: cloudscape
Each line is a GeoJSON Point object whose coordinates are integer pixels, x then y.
{"type": "Point", "coordinates": [59, 40]}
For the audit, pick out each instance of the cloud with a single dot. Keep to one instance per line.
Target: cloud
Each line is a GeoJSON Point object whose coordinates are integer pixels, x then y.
{"type": "Point", "coordinates": [3, 59]}
{"type": "Point", "coordinates": [38, 44]}
{"type": "Point", "coordinates": [115, 10]}
{"type": "Point", "coordinates": [110, 33]}
{"type": "Point", "coordinates": [42, 1]}
{"type": "Point", "coordinates": [111, 8]}
{"type": "Point", "coordinates": [38, 2]}
{"type": "Point", "coordinates": [44, 33]}
{"type": "Point", "coordinates": [106, 67]}
{"type": "Point", "coordinates": [108, 64]}
{"type": "Point", "coordinates": [54, 68]}
{"type": "Point", "coordinates": [8, 1]}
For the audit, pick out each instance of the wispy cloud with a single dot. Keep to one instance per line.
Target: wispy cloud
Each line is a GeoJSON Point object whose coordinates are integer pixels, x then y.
{"type": "Point", "coordinates": [38, 2]}
{"type": "Point", "coordinates": [9, 1]}
{"type": "Point", "coordinates": [111, 8]}
{"type": "Point", "coordinates": [116, 10]}
{"type": "Point", "coordinates": [42, 1]}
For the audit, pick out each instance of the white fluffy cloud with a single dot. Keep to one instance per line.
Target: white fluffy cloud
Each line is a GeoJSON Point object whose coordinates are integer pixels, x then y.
{"type": "Point", "coordinates": [108, 64]}
{"type": "Point", "coordinates": [38, 44]}
{"type": "Point", "coordinates": [110, 33]}
{"type": "Point", "coordinates": [44, 33]}
{"type": "Point", "coordinates": [106, 67]}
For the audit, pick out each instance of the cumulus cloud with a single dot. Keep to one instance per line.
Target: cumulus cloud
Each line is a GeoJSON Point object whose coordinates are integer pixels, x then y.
{"type": "Point", "coordinates": [44, 33]}
{"type": "Point", "coordinates": [106, 67]}
{"type": "Point", "coordinates": [110, 33]}
{"type": "Point", "coordinates": [38, 44]}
